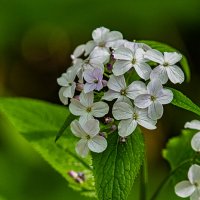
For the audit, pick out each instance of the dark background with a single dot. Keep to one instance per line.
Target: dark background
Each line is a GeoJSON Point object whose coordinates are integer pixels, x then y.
{"type": "Point", "coordinates": [36, 40]}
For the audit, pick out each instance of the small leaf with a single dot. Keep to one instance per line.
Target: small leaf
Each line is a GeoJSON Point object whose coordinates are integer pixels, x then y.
{"type": "Point", "coordinates": [116, 168]}
{"type": "Point", "coordinates": [38, 122]}
{"type": "Point", "coordinates": [180, 100]}
{"type": "Point", "coordinates": [166, 48]}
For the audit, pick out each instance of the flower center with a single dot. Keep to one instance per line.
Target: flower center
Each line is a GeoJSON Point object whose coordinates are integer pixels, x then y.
{"type": "Point", "coordinates": [153, 98]}
{"type": "Point", "coordinates": [165, 64]}
{"type": "Point", "coordinates": [87, 137]}
{"type": "Point", "coordinates": [123, 92]}
{"type": "Point", "coordinates": [102, 44]}
{"type": "Point", "coordinates": [135, 116]}
{"type": "Point", "coordinates": [95, 81]}
{"type": "Point", "coordinates": [89, 109]}
{"type": "Point", "coordinates": [133, 61]}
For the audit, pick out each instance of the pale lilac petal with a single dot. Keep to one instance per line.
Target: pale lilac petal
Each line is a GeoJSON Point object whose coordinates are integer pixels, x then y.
{"type": "Point", "coordinates": [89, 87]}
{"type": "Point", "coordinates": [91, 127]}
{"type": "Point", "coordinates": [120, 67]}
{"type": "Point", "coordinates": [102, 55]}
{"type": "Point", "coordinates": [194, 124]}
{"type": "Point", "coordinates": [143, 70]}
{"type": "Point", "coordinates": [122, 110]}
{"type": "Point", "coordinates": [123, 54]}
{"type": "Point", "coordinates": [89, 46]}
{"type": "Point", "coordinates": [99, 34]}
{"type": "Point", "coordinates": [126, 127]}
{"type": "Point", "coordinates": [172, 57]}
{"type": "Point", "coordinates": [165, 96]}
{"type": "Point", "coordinates": [194, 174]}
{"type": "Point", "coordinates": [63, 99]}
{"type": "Point", "coordinates": [116, 83]}
{"type": "Point", "coordinates": [113, 36]}
{"type": "Point", "coordinates": [175, 74]}
{"type": "Point", "coordinates": [69, 91]}
{"type": "Point", "coordinates": [76, 108]}
{"type": "Point", "coordinates": [154, 87]}
{"type": "Point", "coordinates": [143, 101]}
{"type": "Point", "coordinates": [159, 72]}
{"type": "Point", "coordinates": [136, 88]}
{"type": "Point", "coordinates": [154, 55]}
{"type": "Point", "coordinates": [110, 95]}
{"type": "Point", "coordinates": [184, 189]}
{"type": "Point", "coordinates": [77, 130]}
{"type": "Point", "coordinates": [86, 99]}
{"type": "Point", "coordinates": [97, 144]}
{"type": "Point", "coordinates": [99, 85]}
{"type": "Point", "coordinates": [100, 109]}
{"type": "Point", "coordinates": [88, 76]}
{"type": "Point", "coordinates": [98, 74]}
{"type": "Point", "coordinates": [195, 142]}
{"type": "Point", "coordinates": [155, 110]}
{"type": "Point", "coordinates": [82, 148]}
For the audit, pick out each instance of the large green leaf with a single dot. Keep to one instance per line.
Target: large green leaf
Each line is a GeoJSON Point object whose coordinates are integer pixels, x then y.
{"type": "Point", "coordinates": [117, 167]}
{"type": "Point", "coordinates": [38, 122]}
{"type": "Point", "coordinates": [166, 48]}
{"type": "Point", "coordinates": [180, 100]}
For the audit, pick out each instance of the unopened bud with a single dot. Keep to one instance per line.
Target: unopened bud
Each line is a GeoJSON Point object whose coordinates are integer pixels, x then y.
{"type": "Point", "coordinates": [77, 97]}
{"type": "Point", "coordinates": [73, 174]}
{"type": "Point", "coordinates": [109, 120]}
{"type": "Point", "coordinates": [113, 128]}
{"type": "Point", "coordinates": [109, 67]}
{"type": "Point", "coordinates": [79, 87]}
{"type": "Point", "coordinates": [81, 175]}
{"type": "Point", "coordinates": [103, 134]}
{"type": "Point", "coordinates": [104, 82]}
{"type": "Point", "coordinates": [122, 139]}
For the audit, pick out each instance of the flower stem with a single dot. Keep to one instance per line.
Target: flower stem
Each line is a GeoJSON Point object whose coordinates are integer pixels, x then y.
{"type": "Point", "coordinates": [144, 179]}
{"type": "Point", "coordinates": [106, 75]}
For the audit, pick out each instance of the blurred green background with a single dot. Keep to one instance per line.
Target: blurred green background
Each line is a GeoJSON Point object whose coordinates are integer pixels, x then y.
{"type": "Point", "coordinates": [36, 40]}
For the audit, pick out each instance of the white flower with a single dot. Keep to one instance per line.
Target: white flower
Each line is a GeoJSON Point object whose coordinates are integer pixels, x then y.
{"type": "Point", "coordinates": [119, 90]}
{"type": "Point", "coordinates": [103, 38]}
{"type": "Point", "coordinates": [90, 140]}
{"type": "Point", "coordinates": [86, 109]}
{"type": "Point", "coordinates": [190, 188]}
{"type": "Point", "coordinates": [195, 142]}
{"type": "Point", "coordinates": [154, 98]}
{"type": "Point", "coordinates": [131, 57]}
{"type": "Point", "coordinates": [68, 86]}
{"type": "Point", "coordinates": [166, 68]}
{"type": "Point", "coordinates": [131, 116]}
{"type": "Point", "coordinates": [79, 50]}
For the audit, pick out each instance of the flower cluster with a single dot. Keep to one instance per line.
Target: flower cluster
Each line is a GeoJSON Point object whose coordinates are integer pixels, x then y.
{"type": "Point", "coordinates": [111, 77]}
{"type": "Point", "coordinates": [191, 187]}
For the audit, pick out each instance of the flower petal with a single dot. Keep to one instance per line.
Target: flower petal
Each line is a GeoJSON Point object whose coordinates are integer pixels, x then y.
{"type": "Point", "coordinates": [195, 142]}
{"type": "Point", "coordinates": [76, 108]}
{"type": "Point", "coordinates": [62, 81]}
{"type": "Point", "coordinates": [77, 129]}
{"type": "Point", "coordinates": [89, 87]}
{"type": "Point", "coordinates": [184, 189]}
{"type": "Point", "coordinates": [175, 74]}
{"type": "Point", "coordinates": [155, 110]}
{"type": "Point", "coordinates": [113, 36]}
{"type": "Point", "coordinates": [154, 87]}
{"type": "Point", "coordinates": [159, 72]}
{"type": "Point", "coordinates": [126, 127]}
{"type": "Point", "coordinates": [194, 174]}
{"type": "Point", "coordinates": [99, 109]}
{"type": "Point", "coordinates": [116, 83]}
{"type": "Point", "coordinates": [195, 195]}
{"type": "Point", "coordinates": [86, 117]}
{"type": "Point", "coordinates": [165, 96]}
{"type": "Point", "coordinates": [143, 101]}
{"type": "Point", "coordinates": [97, 144]}
{"type": "Point", "coordinates": [99, 34]}
{"type": "Point", "coordinates": [91, 127]}
{"type": "Point", "coordinates": [122, 110]}
{"type": "Point", "coordinates": [70, 90]}
{"type": "Point", "coordinates": [172, 57]}
{"type": "Point", "coordinates": [154, 55]}
{"type": "Point", "coordinates": [100, 54]}
{"type": "Point", "coordinates": [136, 88]}
{"type": "Point", "coordinates": [120, 67]}
{"type": "Point", "coordinates": [194, 124]}
{"type": "Point", "coordinates": [63, 99]}
{"type": "Point", "coordinates": [86, 99]}
{"type": "Point", "coordinates": [79, 50]}
{"type": "Point", "coordinates": [123, 54]}
{"type": "Point", "coordinates": [143, 70]}
{"type": "Point", "coordinates": [89, 46]}
{"type": "Point", "coordinates": [82, 148]}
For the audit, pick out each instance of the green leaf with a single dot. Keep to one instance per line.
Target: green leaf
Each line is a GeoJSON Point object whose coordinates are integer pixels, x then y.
{"type": "Point", "coordinates": [38, 122]}
{"type": "Point", "coordinates": [166, 48]}
{"type": "Point", "coordinates": [116, 168]}
{"type": "Point", "coordinates": [180, 100]}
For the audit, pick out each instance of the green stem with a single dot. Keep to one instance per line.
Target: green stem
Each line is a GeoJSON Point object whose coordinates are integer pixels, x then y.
{"type": "Point", "coordinates": [164, 182]}
{"type": "Point", "coordinates": [106, 75]}
{"type": "Point", "coordinates": [144, 179]}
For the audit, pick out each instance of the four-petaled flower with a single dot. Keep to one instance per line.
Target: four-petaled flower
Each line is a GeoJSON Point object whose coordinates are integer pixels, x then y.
{"type": "Point", "coordinates": [154, 98]}
{"type": "Point", "coordinates": [93, 80]}
{"type": "Point", "coordinates": [131, 116]}
{"type": "Point", "coordinates": [119, 90]}
{"type": "Point", "coordinates": [190, 188]}
{"type": "Point", "coordinates": [132, 57]}
{"type": "Point", "coordinates": [86, 109]}
{"type": "Point", "coordinates": [166, 68]}
{"type": "Point", "coordinates": [90, 140]}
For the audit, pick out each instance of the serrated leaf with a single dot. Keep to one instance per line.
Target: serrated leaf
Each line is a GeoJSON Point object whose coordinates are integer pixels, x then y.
{"type": "Point", "coordinates": [38, 122]}
{"type": "Point", "coordinates": [116, 168]}
{"type": "Point", "coordinates": [182, 101]}
{"type": "Point", "coordinates": [166, 48]}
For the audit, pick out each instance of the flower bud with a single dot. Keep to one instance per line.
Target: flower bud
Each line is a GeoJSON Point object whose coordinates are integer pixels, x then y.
{"type": "Point", "coordinates": [109, 67]}
{"type": "Point", "coordinates": [81, 175]}
{"type": "Point", "coordinates": [113, 128]}
{"type": "Point", "coordinates": [73, 174]}
{"type": "Point", "coordinates": [103, 134]}
{"type": "Point", "coordinates": [109, 120]}
{"type": "Point", "coordinates": [77, 97]}
{"type": "Point", "coordinates": [79, 87]}
{"type": "Point", "coordinates": [104, 82]}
